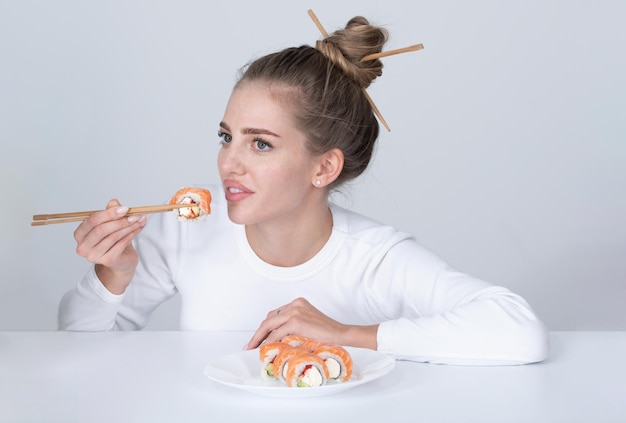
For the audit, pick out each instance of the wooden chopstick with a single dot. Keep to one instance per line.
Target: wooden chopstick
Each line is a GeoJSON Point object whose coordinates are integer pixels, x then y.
{"type": "Point", "coordinates": [373, 56]}
{"type": "Point", "coordinates": [48, 219]}
{"type": "Point", "coordinates": [52, 221]}
{"type": "Point", "coordinates": [324, 33]}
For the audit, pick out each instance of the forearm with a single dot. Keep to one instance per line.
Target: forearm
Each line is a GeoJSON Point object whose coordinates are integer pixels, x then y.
{"type": "Point", "coordinates": [360, 337]}
{"type": "Point", "coordinates": [89, 307]}
{"type": "Point", "coordinates": [114, 281]}
{"type": "Point", "coordinates": [495, 330]}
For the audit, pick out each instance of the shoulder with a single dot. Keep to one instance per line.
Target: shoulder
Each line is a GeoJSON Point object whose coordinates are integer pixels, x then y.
{"type": "Point", "coordinates": [384, 241]}
{"type": "Point", "coordinates": [365, 229]}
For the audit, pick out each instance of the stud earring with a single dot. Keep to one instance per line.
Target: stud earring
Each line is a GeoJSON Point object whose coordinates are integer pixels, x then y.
{"type": "Point", "coordinates": [318, 182]}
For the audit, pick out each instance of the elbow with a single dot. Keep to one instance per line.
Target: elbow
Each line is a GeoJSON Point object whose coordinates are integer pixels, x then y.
{"type": "Point", "coordinates": [533, 342]}
{"type": "Point", "coordinates": [512, 345]}
{"type": "Point", "coordinates": [524, 336]}
{"type": "Point", "coordinates": [519, 344]}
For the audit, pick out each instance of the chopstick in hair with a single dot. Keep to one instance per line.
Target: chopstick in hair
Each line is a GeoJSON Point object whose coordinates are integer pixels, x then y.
{"type": "Point", "coordinates": [324, 33]}
{"type": "Point", "coordinates": [48, 219]}
{"type": "Point", "coordinates": [373, 56]}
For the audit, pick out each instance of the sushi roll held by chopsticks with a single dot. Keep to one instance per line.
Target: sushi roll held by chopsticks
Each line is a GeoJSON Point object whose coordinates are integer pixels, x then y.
{"type": "Point", "coordinates": [199, 201]}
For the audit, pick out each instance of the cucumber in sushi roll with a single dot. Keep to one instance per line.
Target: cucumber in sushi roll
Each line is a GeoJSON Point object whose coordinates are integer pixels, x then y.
{"type": "Point", "coordinates": [306, 370]}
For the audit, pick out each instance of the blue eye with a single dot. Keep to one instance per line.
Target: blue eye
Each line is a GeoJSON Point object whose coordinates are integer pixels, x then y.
{"type": "Point", "coordinates": [224, 137]}
{"type": "Point", "coordinates": [262, 145]}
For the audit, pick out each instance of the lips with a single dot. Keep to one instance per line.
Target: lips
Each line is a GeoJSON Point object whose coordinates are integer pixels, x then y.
{"type": "Point", "coordinates": [235, 191]}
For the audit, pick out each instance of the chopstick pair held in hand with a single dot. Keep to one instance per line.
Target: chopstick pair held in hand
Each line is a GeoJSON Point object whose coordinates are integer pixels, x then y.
{"type": "Point", "coordinates": [49, 219]}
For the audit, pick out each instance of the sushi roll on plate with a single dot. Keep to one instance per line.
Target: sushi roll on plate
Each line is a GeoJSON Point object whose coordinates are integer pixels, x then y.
{"type": "Point", "coordinates": [306, 370]}
{"type": "Point", "coordinates": [337, 360]}
{"type": "Point", "coordinates": [281, 363]}
{"type": "Point", "coordinates": [267, 354]}
{"type": "Point", "coordinates": [295, 340]}
{"type": "Point", "coordinates": [240, 370]}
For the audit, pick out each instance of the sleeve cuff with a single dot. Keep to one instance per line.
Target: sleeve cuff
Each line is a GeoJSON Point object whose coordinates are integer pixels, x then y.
{"type": "Point", "coordinates": [384, 337]}
{"type": "Point", "coordinates": [95, 285]}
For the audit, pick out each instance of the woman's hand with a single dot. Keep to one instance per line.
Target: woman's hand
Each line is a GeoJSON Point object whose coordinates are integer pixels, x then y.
{"type": "Point", "coordinates": [299, 317]}
{"type": "Point", "coordinates": [105, 240]}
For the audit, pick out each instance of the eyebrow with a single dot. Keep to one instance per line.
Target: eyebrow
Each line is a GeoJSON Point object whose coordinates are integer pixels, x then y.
{"type": "Point", "coordinates": [251, 131]}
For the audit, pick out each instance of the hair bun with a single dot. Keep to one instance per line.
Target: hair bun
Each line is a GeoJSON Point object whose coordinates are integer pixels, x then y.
{"type": "Point", "coordinates": [346, 47]}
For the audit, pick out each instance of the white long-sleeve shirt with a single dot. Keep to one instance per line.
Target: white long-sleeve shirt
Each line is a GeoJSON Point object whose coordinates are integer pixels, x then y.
{"type": "Point", "coordinates": [367, 273]}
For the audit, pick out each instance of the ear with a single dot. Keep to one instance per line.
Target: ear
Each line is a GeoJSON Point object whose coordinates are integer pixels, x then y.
{"type": "Point", "coordinates": [328, 168]}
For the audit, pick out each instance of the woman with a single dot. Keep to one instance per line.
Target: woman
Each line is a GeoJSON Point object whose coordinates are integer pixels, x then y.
{"type": "Point", "coordinates": [276, 256]}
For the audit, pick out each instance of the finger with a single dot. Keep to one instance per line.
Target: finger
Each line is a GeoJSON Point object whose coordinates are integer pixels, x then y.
{"type": "Point", "coordinates": [105, 236]}
{"type": "Point", "coordinates": [113, 202]}
{"type": "Point", "coordinates": [280, 332]}
{"type": "Point", "coordinates": [111, 256]}
{"type": "Point", "coordinates": [114, 211]}
{"type": "Point", "coordinates": [116, 233]}
{"type": "Point", "coordinates": [274, 320]}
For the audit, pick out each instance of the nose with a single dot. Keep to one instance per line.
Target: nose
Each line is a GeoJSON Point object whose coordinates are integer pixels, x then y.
{"type": "Point", "coordinates": [229, 160]}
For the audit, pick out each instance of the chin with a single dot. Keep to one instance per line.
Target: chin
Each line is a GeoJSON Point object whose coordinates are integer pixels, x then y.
{"type": "Point", "coordinates": [235, 217]}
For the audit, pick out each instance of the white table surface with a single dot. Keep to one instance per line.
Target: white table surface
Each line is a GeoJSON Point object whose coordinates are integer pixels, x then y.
{"type": "Point", "coordinates": [158, 377]}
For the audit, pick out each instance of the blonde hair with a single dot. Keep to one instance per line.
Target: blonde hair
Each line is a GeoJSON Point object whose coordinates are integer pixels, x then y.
{"type": "Point", "coordinates": [325, 88]}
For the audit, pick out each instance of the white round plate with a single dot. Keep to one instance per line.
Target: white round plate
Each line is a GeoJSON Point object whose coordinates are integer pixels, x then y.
{"type": "Point", "coordinates": [242, 370]}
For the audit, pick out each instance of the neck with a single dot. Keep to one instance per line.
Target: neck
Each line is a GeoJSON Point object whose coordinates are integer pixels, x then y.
{"type": "Point", "coordinates": [292, 241]}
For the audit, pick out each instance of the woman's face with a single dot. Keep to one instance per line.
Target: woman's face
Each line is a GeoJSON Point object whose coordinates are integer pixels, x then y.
{"type": "Point", "coordinates": [266, 170]}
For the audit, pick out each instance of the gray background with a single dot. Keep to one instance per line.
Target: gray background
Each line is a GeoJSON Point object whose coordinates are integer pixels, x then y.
{"type": "Point", "coordinates": [506, 154]}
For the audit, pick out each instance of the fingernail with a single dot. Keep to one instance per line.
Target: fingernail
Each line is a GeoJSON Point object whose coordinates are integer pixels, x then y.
{"type": "Point", "coordinates": [135, 218]}
{"type": "Point", "coordinates": [122, 210]}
